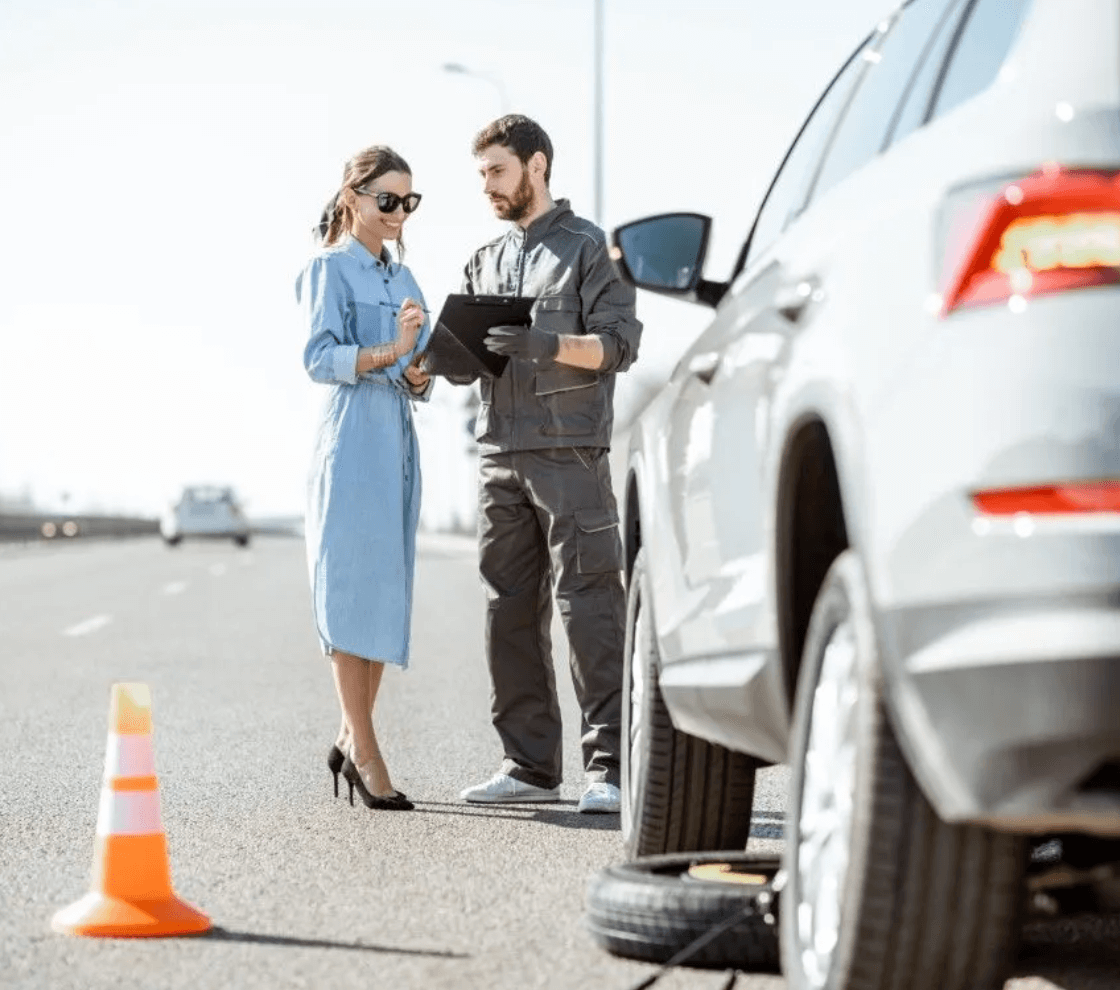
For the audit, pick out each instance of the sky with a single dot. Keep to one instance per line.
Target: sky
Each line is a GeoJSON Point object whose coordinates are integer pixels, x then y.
{"type": "Point", "coordinates": [162, 163]}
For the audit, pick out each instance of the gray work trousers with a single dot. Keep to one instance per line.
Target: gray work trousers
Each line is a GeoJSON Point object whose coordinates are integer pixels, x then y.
{"type": "Point", "coordinates": [548, 521]}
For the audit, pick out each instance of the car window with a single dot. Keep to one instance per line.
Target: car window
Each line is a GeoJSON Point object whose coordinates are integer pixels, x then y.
{"type": "Point", "coordinates": [789, 186]}
{"type": "Point", "coordinates": [863, 131]}
{"type": "Point", "coordinates": [988, 33]}
{"type": "Point", "coordinates": [915, 108]}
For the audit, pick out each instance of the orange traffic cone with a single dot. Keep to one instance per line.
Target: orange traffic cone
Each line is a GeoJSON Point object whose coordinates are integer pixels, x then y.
{"type": "Point", "coordinates": [131, 892]}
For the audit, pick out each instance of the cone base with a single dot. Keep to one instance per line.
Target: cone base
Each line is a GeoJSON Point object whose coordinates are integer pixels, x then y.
{"type": "Point", "coordinates": [100, 916]}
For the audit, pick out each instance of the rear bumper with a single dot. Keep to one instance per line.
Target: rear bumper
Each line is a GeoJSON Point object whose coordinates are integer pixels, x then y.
{"type": "Point", "coordinates": [1010, 713]}
{"type": "Point", "coordinates": [1000, 634]}
{"type": "Point", "coordinates": [177, 528]}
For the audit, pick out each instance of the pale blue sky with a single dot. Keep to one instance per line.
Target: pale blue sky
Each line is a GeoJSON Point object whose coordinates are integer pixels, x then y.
{"type": "Point", "coordinates": [163, 161]}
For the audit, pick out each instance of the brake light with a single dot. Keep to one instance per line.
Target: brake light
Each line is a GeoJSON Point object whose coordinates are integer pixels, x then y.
{"type": "Point", "coordinates": [1055, 230]}
{"type": "Point", "coordinates": [1085, 496]}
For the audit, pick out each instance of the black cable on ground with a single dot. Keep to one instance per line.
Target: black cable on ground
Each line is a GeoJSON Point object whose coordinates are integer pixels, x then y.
{"type": "Point", "coordinates": [696, 945]}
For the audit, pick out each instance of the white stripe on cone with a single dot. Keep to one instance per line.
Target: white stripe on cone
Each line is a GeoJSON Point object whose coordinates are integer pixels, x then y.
{"type": "Point", "coordinates": [129, 755]}
{"type": "Point", "coordinates": [128, 813]}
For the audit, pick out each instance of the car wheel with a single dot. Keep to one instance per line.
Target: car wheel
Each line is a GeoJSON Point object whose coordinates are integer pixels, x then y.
{"type": "Point", "coordinates": [679, 793]}
{"type": "Point", "coordinates": [172, 541]}
{"type": "Point", "coordinates": [654, 907]}
{"type": "Point", "coordinates": [241, 541]}
{"type": "Point", "coordinates": [879, 891]}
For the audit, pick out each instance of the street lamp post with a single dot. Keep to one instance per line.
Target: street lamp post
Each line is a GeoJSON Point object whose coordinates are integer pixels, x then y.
{"type": "Point", "coordinates": [597, 96]}
{"type": "Point", "coordinates": [457, 69]}
{"type": "Point", "coordinates": [596, 99]}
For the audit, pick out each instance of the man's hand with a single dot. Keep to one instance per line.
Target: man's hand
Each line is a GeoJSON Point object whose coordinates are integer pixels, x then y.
{"type": "Point", "coordinates": [417, 377]}
{"type": "Point", "coordinates": [526, 343]}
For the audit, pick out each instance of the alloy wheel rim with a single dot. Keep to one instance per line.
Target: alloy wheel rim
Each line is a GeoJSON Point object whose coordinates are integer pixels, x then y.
{"type": "Point", "coordinates": [636, 701]}
{"type": "Point", "coordinates": [826, 818]}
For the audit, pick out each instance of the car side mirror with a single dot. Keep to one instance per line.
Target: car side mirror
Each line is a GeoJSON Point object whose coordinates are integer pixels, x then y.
{"type": "Point", "coordinates": [664, 253]}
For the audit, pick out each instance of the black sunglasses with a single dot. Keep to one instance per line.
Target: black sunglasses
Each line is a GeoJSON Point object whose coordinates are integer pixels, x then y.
{"type": "Point", "coordinates": [387, 202]}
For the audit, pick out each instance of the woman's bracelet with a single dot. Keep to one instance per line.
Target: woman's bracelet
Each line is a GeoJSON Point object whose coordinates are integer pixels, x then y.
{"type": "Point", "coordinates": [384, 355]}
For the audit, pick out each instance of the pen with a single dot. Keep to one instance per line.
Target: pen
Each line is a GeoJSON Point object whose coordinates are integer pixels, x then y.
{"type": "Point", "coordinates": [397, 309]}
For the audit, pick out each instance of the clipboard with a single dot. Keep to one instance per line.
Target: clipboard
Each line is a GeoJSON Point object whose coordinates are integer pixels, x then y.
{"type": "Point", "coordinates": [458, 342]}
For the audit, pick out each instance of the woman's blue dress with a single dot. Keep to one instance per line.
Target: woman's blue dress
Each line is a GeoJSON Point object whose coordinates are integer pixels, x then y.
{"type": "Point", "coordinates": [363, 502]}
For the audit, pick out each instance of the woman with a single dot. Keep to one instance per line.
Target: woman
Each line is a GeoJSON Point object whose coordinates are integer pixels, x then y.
{"type": "Point", "coordinates": [366, 320]}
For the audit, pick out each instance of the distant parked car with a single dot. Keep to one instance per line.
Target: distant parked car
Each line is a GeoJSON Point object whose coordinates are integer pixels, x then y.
{"type": "Point", "coordinates": [207, 512]}
{"type": "Point", "coordinates": [873, 519]}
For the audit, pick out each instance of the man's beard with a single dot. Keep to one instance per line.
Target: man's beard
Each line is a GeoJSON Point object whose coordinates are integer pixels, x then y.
{"type": "Point", "coordinates": [520, 203]}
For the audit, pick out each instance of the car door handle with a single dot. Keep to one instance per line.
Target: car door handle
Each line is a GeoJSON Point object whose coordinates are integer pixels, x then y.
{"type": "Point", "coordinates": [705, 365]}
{"type": "Point", "coordinates": [793, 298]}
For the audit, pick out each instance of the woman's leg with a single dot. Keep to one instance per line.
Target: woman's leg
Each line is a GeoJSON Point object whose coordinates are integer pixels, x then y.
{"type": "Point", "coordinates": [351, 681]}
{"type": "Point", "coordinates": [357, 682]}
{"type": "Point", "coordinates": [380, 772]}
{"type": "Point", "coordinates": [342, 741]}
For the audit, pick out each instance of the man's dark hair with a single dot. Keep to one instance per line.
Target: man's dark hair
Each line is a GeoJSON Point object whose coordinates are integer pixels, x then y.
{"type": "Point", "coordinates": [524, 137]}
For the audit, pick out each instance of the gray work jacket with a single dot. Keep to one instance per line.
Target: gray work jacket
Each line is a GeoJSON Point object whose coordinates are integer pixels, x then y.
{"type": "Point", "coordinates": [561, 260]}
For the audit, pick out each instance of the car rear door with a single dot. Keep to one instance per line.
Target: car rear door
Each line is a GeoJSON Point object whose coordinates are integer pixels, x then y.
{"type": "Point", "coordinates": [784, 291]}
{"type": "Point", "coordinates": [718, 425]}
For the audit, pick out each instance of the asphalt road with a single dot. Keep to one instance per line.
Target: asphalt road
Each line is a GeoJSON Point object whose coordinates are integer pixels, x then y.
{"type": "Point", "coordinates": [306, 891]}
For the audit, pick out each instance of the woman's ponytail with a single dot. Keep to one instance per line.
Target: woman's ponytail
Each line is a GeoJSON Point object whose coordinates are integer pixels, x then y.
{"type": "Point", "coordinates": [326, 219]}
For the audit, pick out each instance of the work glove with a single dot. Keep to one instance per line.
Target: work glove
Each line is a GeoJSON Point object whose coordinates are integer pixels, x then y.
{"type": "Point", "coordinates": [526, 343]}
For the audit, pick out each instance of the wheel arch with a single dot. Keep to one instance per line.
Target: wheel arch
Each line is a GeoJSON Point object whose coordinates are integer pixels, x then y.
{"type": "Point", "coordinates": [631, 523]}
{"type": "Point", "coordinates": [811, 532]}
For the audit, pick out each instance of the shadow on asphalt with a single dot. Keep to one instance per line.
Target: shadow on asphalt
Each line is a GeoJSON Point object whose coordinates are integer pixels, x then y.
{"type": "Point", "coordinates": [220, 934]}
{"type": "Point", "coordinates": [767, 824]}
{"type": "Point", "coordinates": [1074, 953]}
{"type": "Point", "coordinates": [564, 816]}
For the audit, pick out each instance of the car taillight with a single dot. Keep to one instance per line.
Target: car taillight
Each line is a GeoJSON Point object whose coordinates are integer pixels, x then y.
{"type": "Point", "coordinates": [1055, 230]}
{"type": "Point", "coordinates": [1082, 496]}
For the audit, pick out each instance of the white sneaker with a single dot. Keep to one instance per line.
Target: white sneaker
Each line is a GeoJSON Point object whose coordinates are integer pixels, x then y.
{"type": "Point", "coordinates": [504, 789]}
{"type": "Point", "coordinates": [601, 798]}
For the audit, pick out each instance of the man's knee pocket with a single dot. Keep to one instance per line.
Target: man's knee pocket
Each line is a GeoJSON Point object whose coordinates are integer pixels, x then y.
{"type": "Point", "coordinates": [598, 543]}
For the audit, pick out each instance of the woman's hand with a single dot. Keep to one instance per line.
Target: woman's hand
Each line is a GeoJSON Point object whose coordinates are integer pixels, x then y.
{"type": "Point", "coordinates": [410, 318]}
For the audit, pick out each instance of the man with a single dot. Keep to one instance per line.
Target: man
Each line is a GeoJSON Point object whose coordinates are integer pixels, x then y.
{"type": "Point", "coordinates": [547, 512]}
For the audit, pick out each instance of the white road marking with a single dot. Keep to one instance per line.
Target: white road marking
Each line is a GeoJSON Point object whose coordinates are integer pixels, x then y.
{"type": "Point", "coordinates": [88, 626]}
{"type": "Point", "coordinates": [175, 588]}
{"type": "Point", "coordinates": [217, 569]}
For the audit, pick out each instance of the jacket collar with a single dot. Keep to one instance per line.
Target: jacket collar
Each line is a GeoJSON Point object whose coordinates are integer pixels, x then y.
{"type": "Point", "coordinates": [361, 254]}
{"type": "Point", "coordinates": [537, 230]}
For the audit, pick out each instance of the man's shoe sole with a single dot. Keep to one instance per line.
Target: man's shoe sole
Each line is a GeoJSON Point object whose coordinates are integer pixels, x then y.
{"type": "Point", "coordinates": [514, 799]}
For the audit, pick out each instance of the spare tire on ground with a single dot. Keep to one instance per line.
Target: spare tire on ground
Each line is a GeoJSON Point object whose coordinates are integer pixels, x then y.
{"type": "Point", "coordinates": [654, 907]}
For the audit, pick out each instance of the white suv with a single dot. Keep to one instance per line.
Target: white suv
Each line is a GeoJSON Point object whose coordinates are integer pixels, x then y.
{"type": "Point", "coordinates": [873, 519]}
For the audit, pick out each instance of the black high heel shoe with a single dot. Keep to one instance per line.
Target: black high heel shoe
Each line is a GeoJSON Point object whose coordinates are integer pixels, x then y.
{"type": "Point", "coordinates": [398, 802]}
{"type": "Point", "coordinates": [335, 759]}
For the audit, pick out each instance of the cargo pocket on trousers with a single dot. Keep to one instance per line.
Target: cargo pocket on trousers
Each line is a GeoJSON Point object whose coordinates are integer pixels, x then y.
{"type": "Point", "coordinates": [598, 543]}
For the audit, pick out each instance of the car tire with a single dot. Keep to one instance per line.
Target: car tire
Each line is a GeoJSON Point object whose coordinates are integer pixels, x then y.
{"type": "Point", "coordinates": [241, 541]}
{"type": "Point", "coordinates": [172, 541]}
{"type": "Point", "coordinates": [679, 793]}
{"type": "Point", "coordinates": [653, 908]}
{"type": "Point", "coordinates": [880, 893]}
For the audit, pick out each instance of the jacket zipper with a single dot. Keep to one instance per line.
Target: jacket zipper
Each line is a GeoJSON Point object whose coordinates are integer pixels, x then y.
{"type": "Point", "coordinates": [513, 364]}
